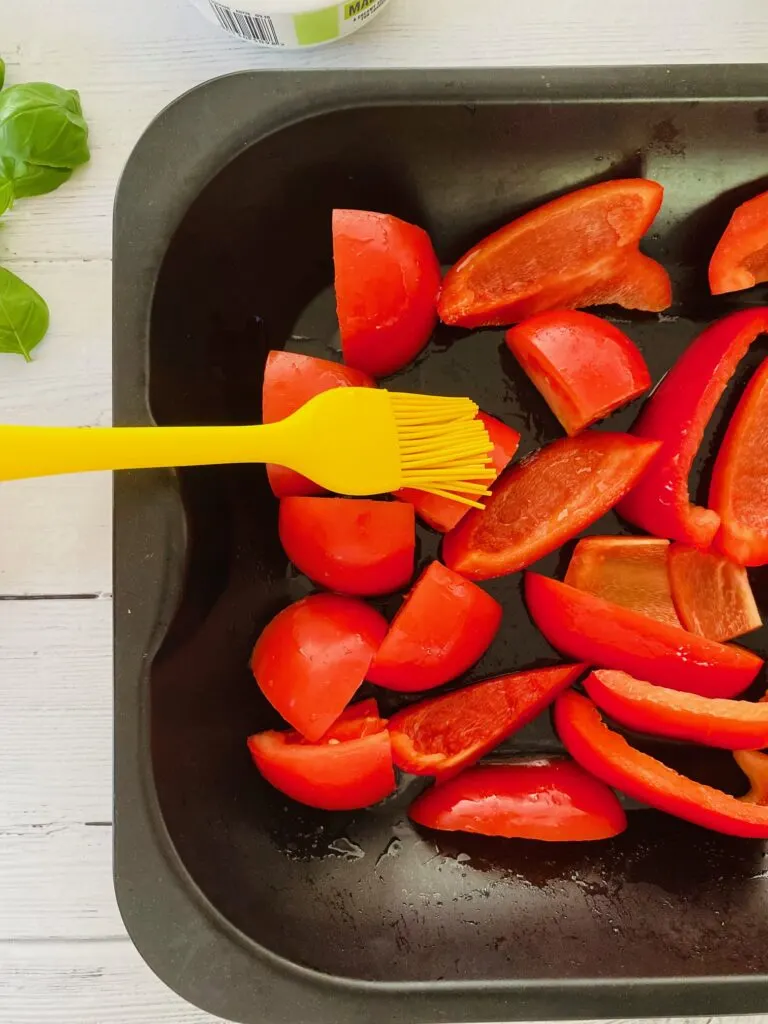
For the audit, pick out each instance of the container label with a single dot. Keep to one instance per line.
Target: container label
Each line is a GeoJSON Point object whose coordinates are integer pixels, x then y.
{"type": "Point", "coordinates": [309, 28]}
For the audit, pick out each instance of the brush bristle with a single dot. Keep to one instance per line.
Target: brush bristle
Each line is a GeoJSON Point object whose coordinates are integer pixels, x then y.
{"type": "Point", "coordinates": [444, 448]}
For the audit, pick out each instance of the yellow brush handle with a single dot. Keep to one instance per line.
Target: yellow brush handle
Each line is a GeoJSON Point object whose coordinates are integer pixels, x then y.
{"type": "Point", "coordinates": [46, 451]}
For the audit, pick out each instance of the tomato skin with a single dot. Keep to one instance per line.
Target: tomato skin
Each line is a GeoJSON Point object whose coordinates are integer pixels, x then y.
{"type": "Point", "coordinates": [350, 545]}
{"type": "Point", "coordinates": [739, 260]}
{"type": "Point", "coordinates": [311, 658]}
{"type": "Point", "coordinates": [584, 366]}
{"type": "Point", "coordinates": [443, 735]}
{"type": "Point", "coordinates": [290, 380]}
{"type": "Point", "coordinates": [387, 280]}
{"type": "Point", "coordinates": [659, 711]}
{"type": "Point", "coordinates": [544, 500]}
{"type": "Point", "coordinates": [712, 595]}
{"type": "Point", "coordinates": [443, 627]}
{"type": "Point", "coordinates": [578, 250]}
{"type": "Point", "coordinates": [630, 571]}
{"type": "Point", "coordinates": [737, 491]}
{"type": "Point", "coordinates": [607, 755]}
{"type": "Point", "coordinates": [600, 633]}
{"type": "Point", "coordinates": [442, 514]}
{"type": "Point", "coordinates": [676, 415]}
{"type": "Point", "coordinates": [333, 776]}
{"type": "Point", "coordinates": [549, 800]}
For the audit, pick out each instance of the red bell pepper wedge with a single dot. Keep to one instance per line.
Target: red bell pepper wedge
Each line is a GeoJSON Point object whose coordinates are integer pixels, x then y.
{"type": "Point", "coordinates": [443, 514]}
{"type": "Point", "coordinates": [445, 734]}
{"type": "Point", "coordinates": [607, 755]}
{"type": "Point", "coordinates": [584, 366]}
{"type": "Point", "coordinates": [552, 800]}
{"type": "Point", "coordinates": [578, 250]}
{"type": "Point", "coordinates": [755, 767]}
{"type": "Point", "coordinates": [712, 595]}
{"type": "Point", "coordinates": [443, 627]}
{"type": "Point", "coordinates": [290, 380]}
{"type": "Point", "coordinates": [588, 629]}
{"type": "Point", "coordinates": [740, 259]}
{"type": "Point", "coordinates": [737, 492]}
{"type": "Point", "coordinates": [387, 281]}
{"type": "Point", "coordinates": [659, 711]}
{"type": "Point", "coordinates": [676, 414]}
{"type": "Point", "coordinates": [545, 500]}
{"type": "Point", "coordinates": [630, 571]}
{"type": "Point", "coordinates": [349, 768]}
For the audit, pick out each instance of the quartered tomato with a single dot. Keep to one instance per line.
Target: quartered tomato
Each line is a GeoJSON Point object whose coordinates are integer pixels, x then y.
{"type": "Point", "coordinates": [578, 250]}
{"type": "Point", "coordinates": [312, 657]}
{"type": "Point", "coordinates": [387, 281]}
{"type": "Point", "coordinates": [444, 626]}
{"type": "Point", "coordinates": [553, 800]}
{"type": "Point", "coordinates": [290, 380]}
{"type": "Point", "coordinates": [443, 514]}
{"type": "Point", "coordinates": [349, 768]}
{"type": "Point", "coordinates": [350, 545]}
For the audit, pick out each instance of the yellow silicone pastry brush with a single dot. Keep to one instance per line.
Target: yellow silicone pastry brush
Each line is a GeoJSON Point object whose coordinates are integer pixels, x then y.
{"type": "Point", "coordinates": [349, 440]}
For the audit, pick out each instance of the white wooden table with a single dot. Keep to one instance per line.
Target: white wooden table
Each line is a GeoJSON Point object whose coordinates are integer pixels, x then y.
{"type": "Point", "coordinates": [64, 955]}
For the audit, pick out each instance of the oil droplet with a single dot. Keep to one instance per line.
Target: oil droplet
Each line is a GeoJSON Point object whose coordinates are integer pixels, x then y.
{"type": "Point", "coordinates": [463, 858]}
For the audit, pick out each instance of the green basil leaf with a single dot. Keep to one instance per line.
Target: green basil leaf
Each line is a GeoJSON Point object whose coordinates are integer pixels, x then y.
{"type": "Point", "coordinates": [7, 195]}
{"type": "Point", "coordinates": [43, 124]}
{"type": "Point", "coordinates": [31, 179]}
{"type": "Point", "coordinates": [24, 315]}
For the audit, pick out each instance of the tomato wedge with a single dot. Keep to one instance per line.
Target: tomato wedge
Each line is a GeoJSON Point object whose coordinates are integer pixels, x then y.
{"type": "Point", "coordinates": [676, 414]}
{"type": "Point", "coordinates": [343, 772]}
{"type": "Point", "coordinates": [445, 734]}
{"type": "Point", "coordinates": [442, 514]}
{"type": "Point", "coordinates": [290, 380]}
{"type": "Point", "coordinates": [600, 633]}
{"type": "Point", "coordinates": [712, 595]}
{"type": "Point", "coordinates": [443, 627]}
{"type": "Point", "coordinates": [739, 489]}
{"type": "Point", "coordinates": [607, 755]}
{"type": "Point", "coordinates": [312, 657]}
{"type": "Point", "coordinates": [387, 283]}
{"type": "Point", "coordinates": [584, 366]}
{"type": "Point", "coordinates": [350, 545]}
{"type": "Point", "coordinates": [578, 250]}
{"type": "Point", "coordinates": [659, 711]}
{"type": "Point", "coordinates": [545, 500]}
{"type": "Point", "coordinates": [740, 259]}
{"type": "Point", "coordinates": [630, 571]}
{"type": "Point", "coordinates": [553, 800]}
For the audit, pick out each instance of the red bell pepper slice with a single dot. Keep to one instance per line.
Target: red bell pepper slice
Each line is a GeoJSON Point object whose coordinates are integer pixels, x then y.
{"type": "Point", "coordinates": [578, 250]}
{"type": "Point", "coordinates": [588, 629]}
{"type": "Point", "coordinates": [607, 755]}
{"type": "Point", "coordinates": [553, 800]}
{"type": "Point", "coordinates": [290, 380]}
{"type": "Point", "coordinates": [311, 658]}
{"type": "Point", "coordinates": [737, 492]}
{"type": "Point", "coordinates": [443, 514]}
{"type": "Point", "coordinates": [349, 768]}
{"type": "Point", "coordinates": [584, 366]}
{"type": "Point", "coordinates": [445, 734]}
{"type": "Point", "coordinates": [712, 594]}
{"type": "Point", "coordinates": [755, 767]}
{"type": "Point", "coordinates": [443, 627]}
{"type": "Point", "coordinates": [659, 711]}
{"type": "Point", "coordinates": [387, 282]}
{"type": "Point", "coordinates": [740, 259]}
{"type": "Point", "coordinates": [676, 414]}
{"type": "Point", "coordinates": [630, 571]}
{"type": "Point", "coordinates": [350, 545]}
{"type": "Point", "coordinates": [545, 500]}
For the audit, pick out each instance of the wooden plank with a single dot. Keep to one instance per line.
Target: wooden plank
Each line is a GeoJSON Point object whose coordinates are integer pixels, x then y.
{"type": "Point", "coordinates": [56, 706]}
{"type": "Point", "coordinates": [86, 983]}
